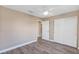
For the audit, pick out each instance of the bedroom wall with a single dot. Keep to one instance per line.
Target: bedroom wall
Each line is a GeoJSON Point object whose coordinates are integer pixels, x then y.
{"type": "Point", "coordinates": [78, 31]}
{"type": "Point", "coordinates": [51, 29]}
{"type": "Point", "coordinates": [17, 28]}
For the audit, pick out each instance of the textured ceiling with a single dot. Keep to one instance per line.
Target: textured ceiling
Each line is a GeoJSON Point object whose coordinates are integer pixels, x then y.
{"type": "Point", "coordinates": [38, 10]}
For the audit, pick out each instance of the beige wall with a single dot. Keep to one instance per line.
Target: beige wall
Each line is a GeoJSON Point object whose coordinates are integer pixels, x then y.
{"type": "Point", "coordinates": [69, 14]}
{"type": "Point", "coordinates": [40, 29]}
{"type": "Point", "coordinates": [51, 29]}
{"type": "Point", "coordinates": [78, 31]}
{"type": "Point", "coordinates": [51, 22]}
{"type": "Point", "coordinates": [16, 28]}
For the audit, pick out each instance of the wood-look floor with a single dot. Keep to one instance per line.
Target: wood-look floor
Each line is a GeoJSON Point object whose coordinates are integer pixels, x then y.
{"type": "Point", "coordinates": [44, 47]}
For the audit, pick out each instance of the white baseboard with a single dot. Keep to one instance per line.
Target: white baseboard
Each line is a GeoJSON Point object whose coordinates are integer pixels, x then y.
{"type": "Point", "coordinates": [61, 43]}
{"type": "Point", "coordinates": [50, 40]}
{"type": "Point", "coordinates": [14, 47]}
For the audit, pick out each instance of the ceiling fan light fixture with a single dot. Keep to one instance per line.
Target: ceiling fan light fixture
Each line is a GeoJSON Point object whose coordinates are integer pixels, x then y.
{"type": "Point", "coordinates": [46, 13]}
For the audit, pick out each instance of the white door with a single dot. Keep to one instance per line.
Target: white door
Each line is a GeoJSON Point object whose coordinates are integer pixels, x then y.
{"type": "Point", "coordinates": [45, 30]}
{"type": "Point", "coordinates": [65, 31]}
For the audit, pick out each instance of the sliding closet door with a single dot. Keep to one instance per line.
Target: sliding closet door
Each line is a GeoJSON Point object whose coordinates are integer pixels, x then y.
{"type": "Point", "coordinates": [65, 31]}
{"type": "Point", "coordinates": [45, 30]}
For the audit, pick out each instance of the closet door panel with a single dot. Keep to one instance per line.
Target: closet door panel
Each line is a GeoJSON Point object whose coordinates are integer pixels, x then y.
{"type": "Point", "coordinates": [65, 31]}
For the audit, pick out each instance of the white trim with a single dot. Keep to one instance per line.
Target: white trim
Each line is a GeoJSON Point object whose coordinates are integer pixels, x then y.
{"type": "Point", "coordinates": [61, 43]}
{"type": "Point", "coordinates": [14, 47]}
{"type": "Point", "coordinates": [50, 40]}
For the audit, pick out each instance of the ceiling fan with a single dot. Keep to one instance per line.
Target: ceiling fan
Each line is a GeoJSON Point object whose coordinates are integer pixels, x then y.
{"type": "Point", "coordinates": [47, 12]}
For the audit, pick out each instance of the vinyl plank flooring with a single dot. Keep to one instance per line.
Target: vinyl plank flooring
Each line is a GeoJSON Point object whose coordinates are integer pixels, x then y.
{"type": "Point", "coordinates": [44, 47]}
